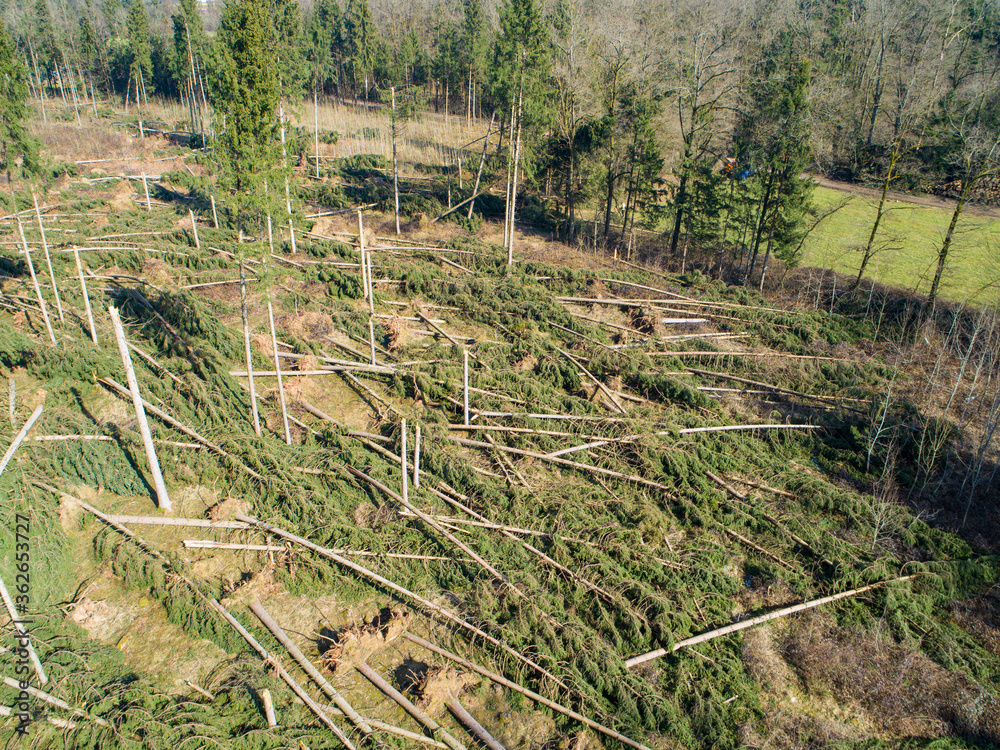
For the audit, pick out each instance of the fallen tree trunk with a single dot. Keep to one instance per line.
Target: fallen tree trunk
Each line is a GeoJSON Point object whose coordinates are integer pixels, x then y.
{"type": "Point", "coordinates": [565, 462]}
{"type": "Point", "coordinates": [436, 526]}
{"type": "Point", "coordinates": [501, 680]}
{"type": "Point", "coordinates": [769, 386]}
{"type": "Point", "coordinates": [283, 674]}
{"type": "Point", "coordinates": [124, 393]}
{"type": "Point", "coordinates": [310, 669]}
{"type": "Point", "coordinates": [694, 640]}
{"type": "Point", "coordinates": [438, 731]}
{"type": "Point", "coordinates": [426, 603]}
{"type": "Point", "coordinates": [474, 727]}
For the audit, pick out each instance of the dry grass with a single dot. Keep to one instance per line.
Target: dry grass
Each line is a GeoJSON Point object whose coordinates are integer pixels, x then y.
{"type": "Point", "coordinates": [980, 616]}
{"type": "Point", "coordinates": [903, 692]}
{"type": "Point", "coordinates": [117, 152]}
{"type": "Point", "coordinates": [427, 140]}
{"type": "Point", "coordinates": [824, 684]}
{"type": "Point", "coordinates": [72, 143]}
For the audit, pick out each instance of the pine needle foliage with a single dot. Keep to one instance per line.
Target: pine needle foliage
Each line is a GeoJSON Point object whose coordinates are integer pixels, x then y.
{"type": "Point", "coordinates": [246, 90]}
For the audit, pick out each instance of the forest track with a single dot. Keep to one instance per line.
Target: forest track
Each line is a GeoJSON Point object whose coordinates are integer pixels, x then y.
{"type": "Point", "coordinates": [930, 201]}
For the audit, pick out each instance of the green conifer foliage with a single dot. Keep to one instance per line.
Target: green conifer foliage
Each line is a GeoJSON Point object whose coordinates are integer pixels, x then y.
{"type": "Point", "coordinates": [362, 42]}
{"type": "Point", "coordinates": [189, 36]}
{"type": "Point", "coordinates": [42, 45]}
{"type": "Point", "coordinates": [90, 47]}
{"type": "Point", "coordinates": [322, 31]}
{"type": "Point", "coordinates": [521, 52]}
{"type": "Point", "coordinates": [411, 64]}
{"type": "Point", "coordinates": [141, 65]}
{"type": "Point", "coordinates": [246, 93]}
{"type": "Point", "coordinates": [474, 44]}
{"type": "Point", "coordinates": [522, 75]}
{"type": "Point", "coordinates": [15, 140]}
{"type": "Point", "coordinates": [773, 139]}
{"type": "Point", "coordinates": [287, 40]}
{"type": "Point", "coordinates": [448, 67]}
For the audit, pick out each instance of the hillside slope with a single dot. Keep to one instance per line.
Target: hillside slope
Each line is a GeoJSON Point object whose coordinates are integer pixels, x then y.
{"type": "Point", "coordinates": [638, 458]}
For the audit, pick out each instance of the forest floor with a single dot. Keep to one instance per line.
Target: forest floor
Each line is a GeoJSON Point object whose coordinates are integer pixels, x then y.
{"type": "Point", "coordinates": [644, 457]}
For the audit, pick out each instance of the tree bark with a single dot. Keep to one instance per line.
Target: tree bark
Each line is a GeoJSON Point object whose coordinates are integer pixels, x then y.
{"type": "Point", "coordinates": [946, 247]}
{"type": "Point", "coordinates": [752, 261]}
{"type": "Point", "coordinates": [162, 498]}
{"type": "Point", "coordinates": [395, 166]}
{"type": "Point", "coordinates": [246, 346]}
{"type": "Point", "coordinates": [482, 161]}
{"type": "Point", "coordinates": [679, 212]}
{"type": "Point", "coordinates": [513, 191]}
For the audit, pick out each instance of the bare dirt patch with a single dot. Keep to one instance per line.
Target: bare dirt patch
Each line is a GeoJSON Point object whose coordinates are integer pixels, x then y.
{"type": "Point", "coordinates": [358, 643]}
{"type": "Point", "coordinates": [440, 685]}
{"type": "Point", "coordinates": [138, 626]}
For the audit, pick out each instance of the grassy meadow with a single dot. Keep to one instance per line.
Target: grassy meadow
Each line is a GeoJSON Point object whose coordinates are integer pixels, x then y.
{"type": "Point", "coordinates": [909, 239]}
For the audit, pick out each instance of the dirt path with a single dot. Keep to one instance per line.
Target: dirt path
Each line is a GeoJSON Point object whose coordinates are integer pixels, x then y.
{"type": "Point", "coordinates": [931, 201]}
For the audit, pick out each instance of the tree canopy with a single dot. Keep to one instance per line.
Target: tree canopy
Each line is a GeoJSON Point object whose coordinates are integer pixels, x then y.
{"type": "Point", "coordinates": [245, 96]}
{"type": "Point", "coordinates": [14, 136]}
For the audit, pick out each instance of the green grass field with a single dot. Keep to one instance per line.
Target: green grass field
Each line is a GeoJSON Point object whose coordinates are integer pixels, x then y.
{"type": "Point", "coordinates": [910, 237]}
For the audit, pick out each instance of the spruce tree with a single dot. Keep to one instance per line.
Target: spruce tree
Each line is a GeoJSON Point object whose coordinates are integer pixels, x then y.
{"type": "Point", "coordinates": [447, 66]}
{"type": "Point", "coordinates": [321, 32]}
{"type": "Point", "coordinates": [42, 41]}
{"type": "Point", "coordinates": [645, 162]}
{"type": "Point", "coordinates": [411, 65]}
{"type": "Point", "coordinates": [474, 46]}
{"type": "Point", "coordinates": [363, 43]}
{"type": "Point", "coordinates": [286, 39]}
{"type": "Point", "coordinates": [15, 141]}
{"type": "Point", "coordinates": [140, 56]}
{"type": "Point", "coordinates": [521, 55]}
{"type": "Point", "coordinates": [90, 48]}
{"type": "Point", "coordinates": [245, 98]}
{"type": "Point", "coordinates": [772, 139]}
{"type": "Point", "coordinates": [188, 51]}
{"type": "Point", "coordinates": [521, 84]}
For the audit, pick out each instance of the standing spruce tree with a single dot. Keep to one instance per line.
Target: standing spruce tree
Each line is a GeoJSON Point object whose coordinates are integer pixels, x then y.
{"type": "Point", "coordinates": [92, 50]}
{"type": "Point", "coordinates": [363, 42]}
{"type": "Point", "coordinates": [318, 51]}
{"type": "Point", "coordinates": [773, 139]}
{"type": "Point", "coordinates": [42, 43]}
{"type": "Point", "coordinates": [322, 31]}
{"type": "Point", "coordinates": [411, 65]}
{"type": "Point", "coordinates": [246, 93]}
{"type": "Point", "coordinates": [14, 135]}
{"type": "Point", "coordinates": [140, 55]}
{"type": "Point", "coordinates": [521, 84]}
{"type": "Point", "coordinates": [286, 39]}
{"type": "Point", "coordinates": [645, 162]}
{"type": "Point", "coordinates": [247, 153]}
{"type": "Point", "coordinates": [447, 66]}
{"type": "Point", "coordinates": [189, 46]}
{"type": "Point", "coordinates": [475, 43]}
